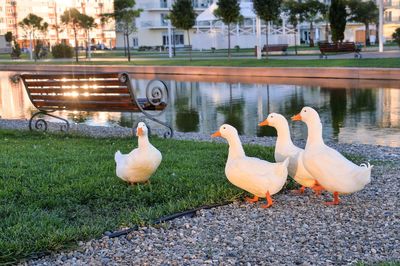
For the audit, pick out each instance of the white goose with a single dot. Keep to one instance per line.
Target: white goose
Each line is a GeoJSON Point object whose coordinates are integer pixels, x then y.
{"type": "Point", "coordinates": [285, 148]}
{"type": "Point", "coordinates": [331, 169]}
{"type": "Point", "coordinates": [138, 165]}
{"type": "Point", "coordinates": [259, 177]}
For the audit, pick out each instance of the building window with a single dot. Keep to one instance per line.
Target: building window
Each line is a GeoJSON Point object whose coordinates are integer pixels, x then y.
{"type": "Point", "coordinates": [164, 19]}
{"type": "Point", "coordinates": [163, 3]}
{"type": "Point", "coordinates": [135, 42]}
{"type": "Point", "coordinates": [177, 40]}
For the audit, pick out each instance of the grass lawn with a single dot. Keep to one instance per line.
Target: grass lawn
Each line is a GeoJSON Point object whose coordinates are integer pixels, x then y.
{"type": "Point", "coordinates": [58, 189]}
{"type": "Point", "coordinates": [378, 63]}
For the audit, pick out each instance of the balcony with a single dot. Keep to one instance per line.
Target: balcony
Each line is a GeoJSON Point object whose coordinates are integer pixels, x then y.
{"type": "Point", "coordinates": [163, 6]}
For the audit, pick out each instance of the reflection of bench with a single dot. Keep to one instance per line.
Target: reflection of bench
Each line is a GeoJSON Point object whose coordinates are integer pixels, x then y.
{"type": "Point", "coordinates": [110, 92]}
{"type": "Point", "coordinates": [343, 47]}
{"type": "Point", "coordinates": [275, 48]}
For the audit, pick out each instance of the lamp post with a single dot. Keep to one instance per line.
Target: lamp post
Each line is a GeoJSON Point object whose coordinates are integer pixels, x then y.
{"type": "Point", "coordinates": [169, 38]}
{"type": "Point", "coordinates": [380, 26]}
{"type": "Point", "coordinates": [258, 34]}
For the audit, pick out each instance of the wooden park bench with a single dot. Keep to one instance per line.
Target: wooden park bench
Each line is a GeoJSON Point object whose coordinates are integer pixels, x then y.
{"type": "Point", "coordinates": [343, 47]}
{"type": "Point", "coordinates": [275, 48]}
{"type": "Point", "coordinates": [108, 92]}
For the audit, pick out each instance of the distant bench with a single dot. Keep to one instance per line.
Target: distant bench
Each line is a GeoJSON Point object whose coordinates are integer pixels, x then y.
{"type": "Point", "coordinates": [110, 92]}
{"type": "Point", "coordinates": [275, 48]}
{"type": "Point", "coordinates": [343, 47]}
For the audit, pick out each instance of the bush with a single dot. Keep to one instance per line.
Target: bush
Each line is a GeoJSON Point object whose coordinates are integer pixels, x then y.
{"type": "Point", "coordinates": [16, 51]}
{"type": "Point", "coordinates": [396, 36]}
{"type": "Point", "coordinates": [8, 36]}
{"type": "Point", "coordinates": [237, 48]}
{"type": "Point", "coordinates": [62, 51]}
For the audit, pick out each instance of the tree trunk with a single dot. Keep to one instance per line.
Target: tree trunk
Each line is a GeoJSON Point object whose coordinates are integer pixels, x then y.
{"type": "Point", "coordinates": [124, 44]}
{"type": "Point", "coordinates": [266, 39]}
{"type": "Point", "coordinates": [190, 47]}
{"type": "Point", "coordinates": [229, 40]}
{"type": "Point", "coordinates": [326, 31]}
{"type": "Point", "coordinates": [295, 40]}
{"type": "Point", "coordinates": [87, 45]}
{"type": "Point", "coordinates": [311, 37]}
{"type": "Point", "coordinates": [367, 39]}
{"type": "Point", "coordinates": [76, 45]}
{"type": "Point", "coordinates": [129, 50]}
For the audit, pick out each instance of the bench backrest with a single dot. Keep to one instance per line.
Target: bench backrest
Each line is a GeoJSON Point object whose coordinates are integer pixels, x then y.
{"type": "Point", "coordinates": [275, 47]}
{"type": "Point", "coordinates": [85, 92]}
{"type": "Point", "coordinates": [337, 47]}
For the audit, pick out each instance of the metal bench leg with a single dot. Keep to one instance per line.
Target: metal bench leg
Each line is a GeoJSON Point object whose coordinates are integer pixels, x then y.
{"type": "Point", "coordinates": [167, 134]}
{"type": "Point", "coordinates": [41, 124]}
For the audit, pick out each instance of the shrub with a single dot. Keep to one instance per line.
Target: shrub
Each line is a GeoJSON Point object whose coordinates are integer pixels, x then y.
{"type": "Point", "coordinates": [62, 51]}
{"type": "Point", "coordinates": [8, 36]}
{"type": "Point", "coordinates": [396, 36]}
{"type": "Point", "coordinates": [16, 51]}
{"type": "Point", "coordinates": [237, 48]}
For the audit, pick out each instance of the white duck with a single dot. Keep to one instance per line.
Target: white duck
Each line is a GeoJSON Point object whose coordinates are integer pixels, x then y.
{"type": "Point", "coordinates": [138, 165]}
{"type": "Point", "coordinates": [285, 148]}
{"type": "Point", "coordinates": [331, 169]}
{"type": "Point", "coordinates": [259, 177]}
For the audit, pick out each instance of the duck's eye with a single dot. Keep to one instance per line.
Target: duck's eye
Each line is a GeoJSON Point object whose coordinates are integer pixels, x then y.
{"type": "Point", "coordinates": [224, 128]}
{"type": "Point", "coordinates": [272, 116]}
{"type": "Point", "coordinates": [305, 111]}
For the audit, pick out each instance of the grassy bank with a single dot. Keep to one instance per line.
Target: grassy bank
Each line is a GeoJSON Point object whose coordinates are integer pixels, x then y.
{"type": "Point", "coordinates": [378, 63]}
{"type": "Point", "coordinates": [57, 189]}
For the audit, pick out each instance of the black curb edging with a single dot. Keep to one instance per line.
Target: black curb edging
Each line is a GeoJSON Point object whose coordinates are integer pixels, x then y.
{"type": "Point", "coordinates": [191, 213]}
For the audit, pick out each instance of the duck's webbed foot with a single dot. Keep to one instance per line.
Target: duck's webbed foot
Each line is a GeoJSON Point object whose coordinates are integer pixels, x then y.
{"type": "Point", "coordinates": [299, 191]}
{"type": "Point", "coordinates": [317, 189]}
{"type": "Point", "coordinates": [336, 199]}
{"type": "Point", "coordinates": [252, 200]}
{"type": "Point", "coordinates": [269, 201]}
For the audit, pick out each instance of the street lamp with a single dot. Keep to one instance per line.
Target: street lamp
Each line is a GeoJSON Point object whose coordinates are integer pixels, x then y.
{"type": "Point", "coordinates": [380, 26]}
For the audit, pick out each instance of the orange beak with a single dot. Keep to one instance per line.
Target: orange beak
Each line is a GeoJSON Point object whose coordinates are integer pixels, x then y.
{"type": "Point", "coordinates": [216, 134]}
{"type": "Point", "coordinates": [139, 131]}
{"type": "Point", "coordinates": [264, 123]}
{"type": "Point", "coordinates": [296, 117]}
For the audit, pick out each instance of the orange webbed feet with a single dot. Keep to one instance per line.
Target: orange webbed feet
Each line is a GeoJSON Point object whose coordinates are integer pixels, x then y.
{"type": "Point", "coordinates": [336, 199]}
{"type": "Point", "coordinates": [269, 201]}
{"type": "Point", "coordinates": [300, 190]}
{"type": "Point", "coordinates": [252, 200]}
{"type": "Point", "coordinates": [317, 189]}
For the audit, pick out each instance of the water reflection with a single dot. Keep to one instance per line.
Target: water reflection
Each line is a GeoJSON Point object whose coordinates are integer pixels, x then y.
{"type": "Point", "coordinates": [361, 115]}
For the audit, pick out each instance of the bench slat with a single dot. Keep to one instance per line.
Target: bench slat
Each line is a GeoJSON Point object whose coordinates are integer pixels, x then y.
{"type": "Point", "coordinates": [69, 76]}
{"type": "Point", "coordinates": [90, 90]}
{"type": "Point", "coordinates": [79, 83]}
{"type": "Point", "coordinates": [89, 98]}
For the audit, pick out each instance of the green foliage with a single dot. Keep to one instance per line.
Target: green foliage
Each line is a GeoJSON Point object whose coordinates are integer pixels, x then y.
{"type": "Point", "coordinates": [62, 50]}
{"type": "Point", "coordinates": [293, 10]}
{"type": "Point", "coordinates": [268, 10]}
{"type": "Point", "coordinates": [311, 11]}
{"type": "Point", "coordinates": [59, 189]}
{"type": "Point", "coordinates": [8, 36]}
{"type": "Point", "coordinates": [228, 11]}
{"type": "Point", "coordinates": [364, 12]}
{"type": "Point", "coordinates": [16, 51]}
{"type": "Point", "coordinates": [338, 19]}
{"type": "Point", "coordinates": [396, 36]}
{"type": "Point", "coordinates": [183, 16]}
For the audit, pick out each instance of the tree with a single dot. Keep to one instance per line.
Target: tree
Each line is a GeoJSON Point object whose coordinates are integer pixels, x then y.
{"type": "Point", "coordinates": [292, 10]}
{"type": "Point", "coordinates": [396, 36]}
{"type": "Point", "coordinates": [267, 10]}
{"type": "Point", "coordinates": [364, 12]}
{"type": "Point", "coordinates": [125, 16]}
{"type": "Point", "coordinates": [87, 23]}
{"type": "Point", "coordinates": [229, 12]}
{"type": "Point", "coordinates": [338, 19]}
{"type": "Point", "coordinates": [71, 18]}
{"type": "Point", "coordinates": [183, 17]}
{"type": "Point", "coordinates": [32, 24]}
{"type": "Point", "coordinates": [311, 9]}
{"type": "Point", "coordinates": [8, 36]}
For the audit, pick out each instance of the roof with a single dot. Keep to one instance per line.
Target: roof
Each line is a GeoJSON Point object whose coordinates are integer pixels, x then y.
{"type": "Point", "coordinates": [246, 10]}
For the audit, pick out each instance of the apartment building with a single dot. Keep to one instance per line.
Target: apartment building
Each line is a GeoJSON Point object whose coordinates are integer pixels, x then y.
{"type": "Point", "coordinates": [152, 25]}
{"type": "Point", "coordinates": [14, 11]}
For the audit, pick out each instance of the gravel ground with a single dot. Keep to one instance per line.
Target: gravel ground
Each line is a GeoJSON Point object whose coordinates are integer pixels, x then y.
{"type": "Point", "coordinates": [297, 230]}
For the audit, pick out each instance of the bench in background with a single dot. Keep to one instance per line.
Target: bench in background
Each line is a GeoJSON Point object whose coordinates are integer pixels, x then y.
{"type": "Point", "coordinates": [109, 92]}
{"type": "Point", "coordinates": [275, 48]}
{"type": "Point", "coordinates": [343, 47]}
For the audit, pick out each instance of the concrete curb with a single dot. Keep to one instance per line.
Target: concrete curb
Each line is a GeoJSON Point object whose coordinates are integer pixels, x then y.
{"type": "Point", "coordinates": [279, 72]}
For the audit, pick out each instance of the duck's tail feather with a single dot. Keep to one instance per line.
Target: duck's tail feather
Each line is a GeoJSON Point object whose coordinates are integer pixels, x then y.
{"type": "Point", "coordinates": [365, 175]}
{"type": "Point", "coordinates": [282, 169]}
{"type": "Point", "coordinates": [117, 156]}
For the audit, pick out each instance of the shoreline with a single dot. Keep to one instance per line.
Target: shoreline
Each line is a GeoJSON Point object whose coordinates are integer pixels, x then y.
{"type": "Point", "coordinates": [351, 73]}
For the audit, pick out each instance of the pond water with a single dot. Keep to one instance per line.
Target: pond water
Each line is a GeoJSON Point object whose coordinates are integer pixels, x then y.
{"type": "Point", "coordinates": [351, 111]}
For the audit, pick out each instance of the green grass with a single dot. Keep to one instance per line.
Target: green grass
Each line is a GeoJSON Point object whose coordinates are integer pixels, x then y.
{"type": "Point", "coordinates": [59, 189]}
{"type": "Point", "coordinates": [378, 63]}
